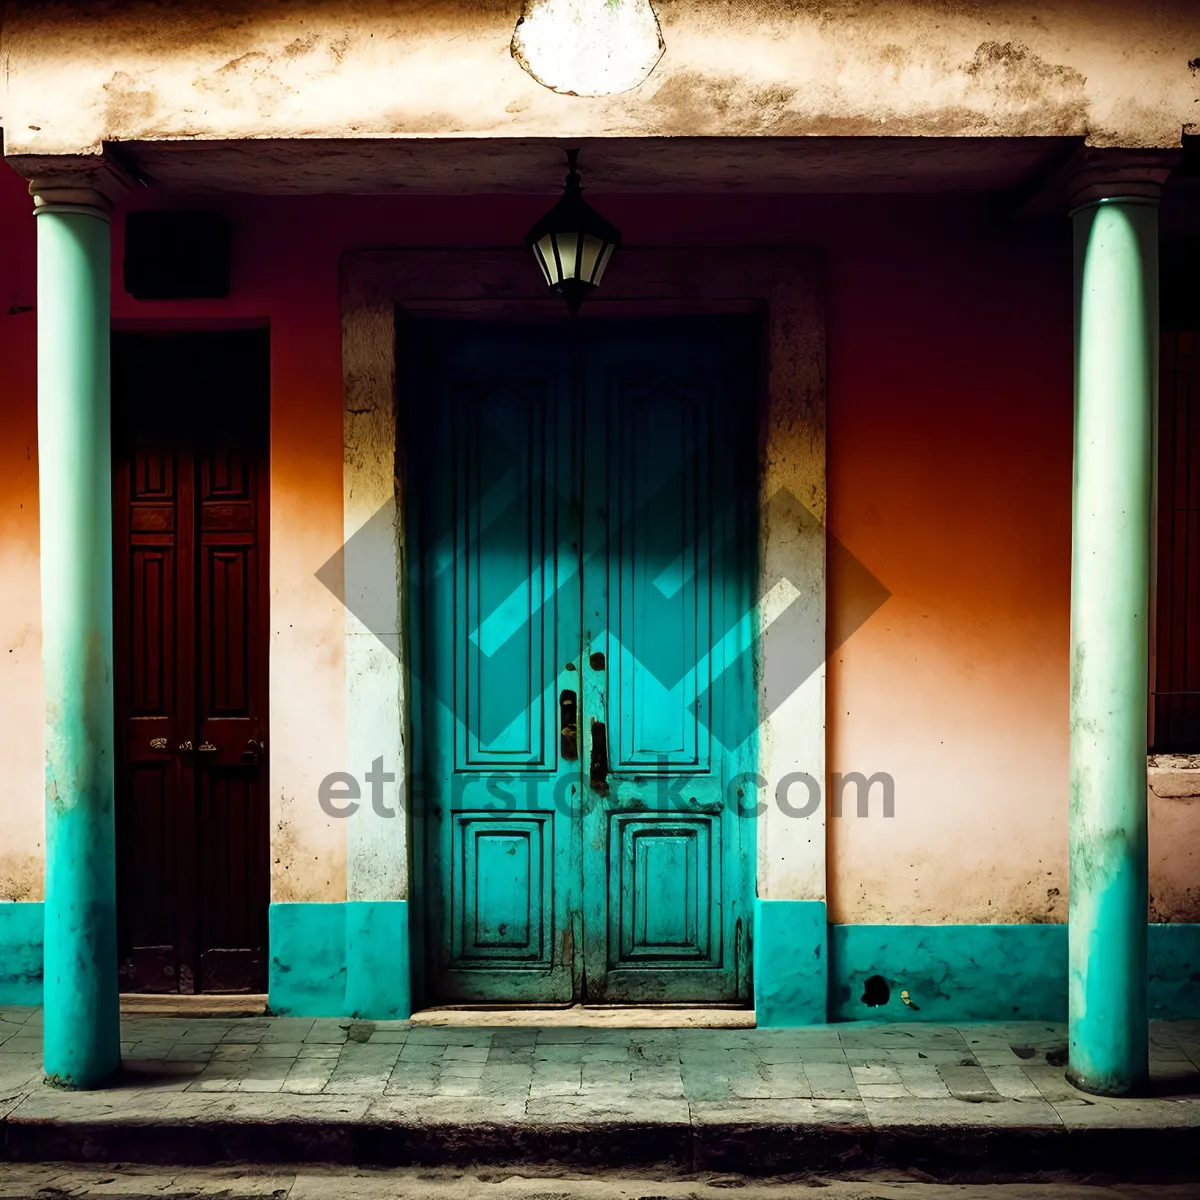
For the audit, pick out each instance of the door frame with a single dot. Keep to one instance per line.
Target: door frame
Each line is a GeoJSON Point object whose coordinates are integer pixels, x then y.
{"type": "Point", "coordinates": [781, 285]}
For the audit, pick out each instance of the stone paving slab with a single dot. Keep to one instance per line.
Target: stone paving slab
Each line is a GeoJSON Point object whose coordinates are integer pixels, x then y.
{"type": "Point", "coordinates": [201, 1090]}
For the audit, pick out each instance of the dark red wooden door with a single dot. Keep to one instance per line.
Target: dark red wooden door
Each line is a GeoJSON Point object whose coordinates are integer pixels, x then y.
{"type": "Point", "coordinates": [1175, 682]}
{"type": "Point", "coordinates": [190, 423]}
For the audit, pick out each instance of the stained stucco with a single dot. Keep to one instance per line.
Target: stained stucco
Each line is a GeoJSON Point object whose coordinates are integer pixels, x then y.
{"type": "Point", "coordinates": [1115, 71]}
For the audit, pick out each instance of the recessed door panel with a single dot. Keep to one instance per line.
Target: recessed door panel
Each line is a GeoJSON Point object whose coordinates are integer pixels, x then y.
{"type": "Point", "coordinates": [503, 874]}
{"type": "Point", "coordinates": [664, 903]}
{"type": "Point", "coordinates": [658, 555]}
{"type": "Point", "coordinates": [501, 541]}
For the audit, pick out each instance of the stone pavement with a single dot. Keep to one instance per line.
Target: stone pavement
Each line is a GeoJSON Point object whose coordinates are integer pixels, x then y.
{"type": "Point", "coordinates": [830, 1097]}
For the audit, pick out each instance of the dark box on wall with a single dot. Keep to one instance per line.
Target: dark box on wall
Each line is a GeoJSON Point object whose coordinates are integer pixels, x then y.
{"type": "Point", "coordinates": [177, 255]}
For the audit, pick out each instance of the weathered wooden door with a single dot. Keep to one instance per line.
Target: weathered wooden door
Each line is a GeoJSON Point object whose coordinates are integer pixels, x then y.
{"type": "Point", "coordinates": [668, 703]}
{"type": "Point", "coordinates": [495, 582]}
{"type": "Point", "coordinates": [581, 518]}
{"type": "Point", "coordinates": [190, 416]}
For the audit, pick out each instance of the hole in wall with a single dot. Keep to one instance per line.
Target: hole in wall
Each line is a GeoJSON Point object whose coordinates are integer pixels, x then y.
{"type": "Point", "coordinates": [876, 991]}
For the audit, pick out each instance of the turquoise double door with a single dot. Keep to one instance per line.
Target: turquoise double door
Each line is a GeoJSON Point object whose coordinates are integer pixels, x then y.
{"type": "Point", "coordinates": [582, 539]}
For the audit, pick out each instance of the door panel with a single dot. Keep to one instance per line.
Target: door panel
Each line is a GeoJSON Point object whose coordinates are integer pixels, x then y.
{"type": "Point", "coordinates": [581, 517]}
{"type": "Point", "coordinates": [190, 631]}
{"type": "Point", "coordinates": [153, 692]}
{"type": "Point", "coordinates": [668, 498]}
{"type": "Point", "coordinates": [495, 587]}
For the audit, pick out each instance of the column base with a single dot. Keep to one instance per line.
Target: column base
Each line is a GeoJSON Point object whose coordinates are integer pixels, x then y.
{"type": "Point", "coordinates": [1100, 1086]}
{"type": "Point", "coordinates": [111, 1079]}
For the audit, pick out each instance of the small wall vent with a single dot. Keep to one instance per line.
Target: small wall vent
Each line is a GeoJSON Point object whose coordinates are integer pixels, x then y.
{"type": "Point", "coordinates": [177, 255]}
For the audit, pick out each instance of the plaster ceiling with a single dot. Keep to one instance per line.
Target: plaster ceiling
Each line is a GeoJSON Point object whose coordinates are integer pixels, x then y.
{"type": "Point", "coordinates": [641, 165]}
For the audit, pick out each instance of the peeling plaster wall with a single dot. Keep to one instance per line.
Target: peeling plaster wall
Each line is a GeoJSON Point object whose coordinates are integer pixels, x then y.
{"type": "Point", "coordinates": [949, 464]}
{"type": "Point", "coordinates": [1113, 70]}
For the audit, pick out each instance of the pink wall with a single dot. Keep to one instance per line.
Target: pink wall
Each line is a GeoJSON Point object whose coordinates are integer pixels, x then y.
{"type": "Point", "coordinates": [949, 478]}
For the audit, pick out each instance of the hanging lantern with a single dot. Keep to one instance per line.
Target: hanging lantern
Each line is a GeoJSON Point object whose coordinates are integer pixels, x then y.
{"type": "Point", "coordinates": [573, 242]}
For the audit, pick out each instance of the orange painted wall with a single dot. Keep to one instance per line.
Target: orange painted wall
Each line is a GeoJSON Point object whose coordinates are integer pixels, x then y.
{"type": "Point", "coordinates": [949, 478]}
{"type": "Point", "coordinates": [949, 475]}
{"type": "Point", "coordinates": [22, 825]}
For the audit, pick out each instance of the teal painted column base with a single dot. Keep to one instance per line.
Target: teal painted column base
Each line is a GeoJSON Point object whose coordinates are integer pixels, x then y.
{"type": "Point", "coordinates": [790, 963]}
{"type": "Point", "coordinates": [21, 947]}
{"type": "Point", "coordinates": [341, 960]}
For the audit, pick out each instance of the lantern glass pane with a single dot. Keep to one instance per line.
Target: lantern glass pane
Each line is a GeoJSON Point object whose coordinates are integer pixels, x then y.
{"type": "Point", "coordinates": [539, 254]}
{"type": "Point", "coordinates": [593, 247]}
{"type": "Point", "coordinates": [604, 257]}
{"type": "Point", "coordinates": [568, 255]}
{"type": "Point", "coordinates": [545, 249]}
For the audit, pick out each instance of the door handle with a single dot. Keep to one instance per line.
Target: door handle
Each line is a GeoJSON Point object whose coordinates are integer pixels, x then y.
{"type": "Point", "coordinates": [253, 750]}
{"type": "Point", "coordinates": [568, 708]}
{"type": "Point", "coordinates": [598, 767]}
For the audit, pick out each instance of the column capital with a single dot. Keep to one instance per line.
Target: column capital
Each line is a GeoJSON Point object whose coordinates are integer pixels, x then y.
{"type": "Point", "coordinates": [1093, 174]}
{"type": "Point", "coordinates": [90, 183]}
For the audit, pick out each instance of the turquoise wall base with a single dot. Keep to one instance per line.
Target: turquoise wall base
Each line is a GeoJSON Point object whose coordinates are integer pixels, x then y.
{"type": "Point", "coordinates": [21, 932]}
{"type": "Point", "coordinates": [335, 960]}
{"type": "Point", "coordinates": [790, 962]}
{"type": "Point", "coordinates": [806, 972]}
{"type": "Point", "coordinates": [989, 972]}
{"type": "Point", "coordinates": [951, 972]}
{"type": "Point", "coordinates": [1174, 966]}
{"type": "Point", "coordinates": [341, 960]}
